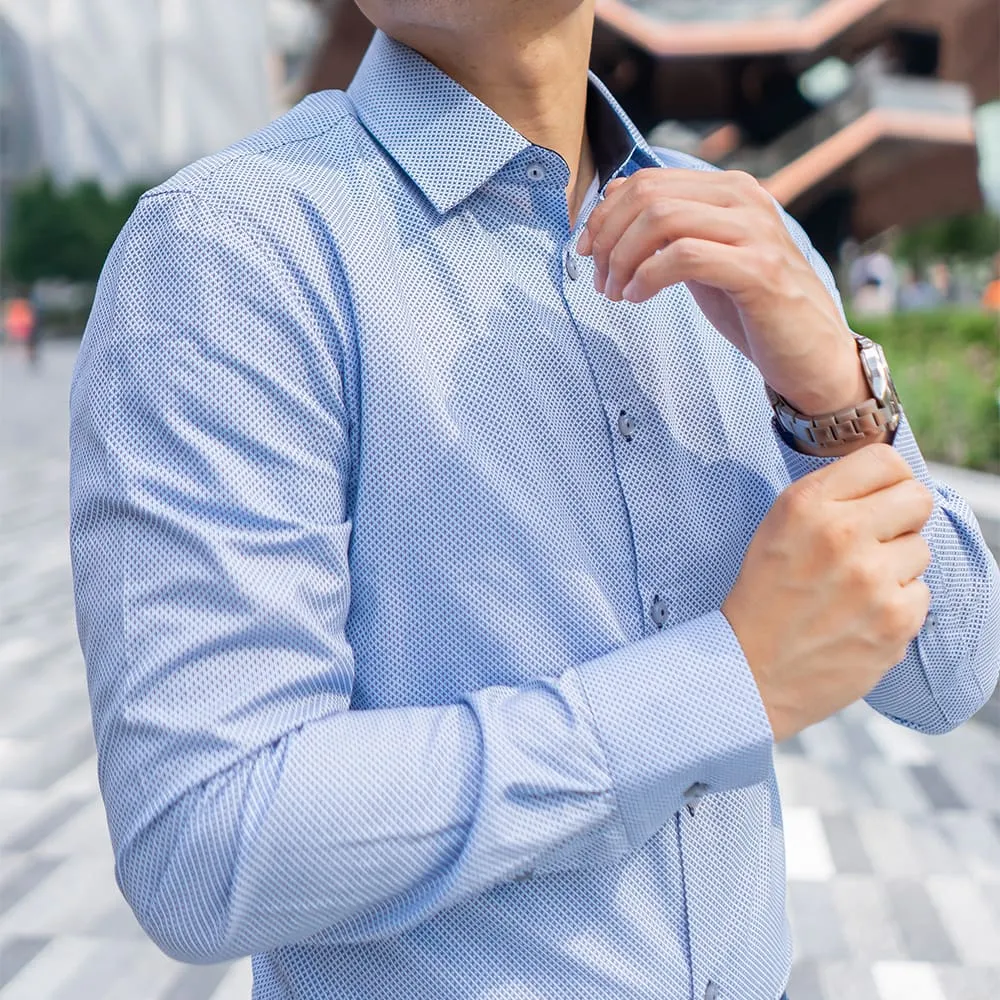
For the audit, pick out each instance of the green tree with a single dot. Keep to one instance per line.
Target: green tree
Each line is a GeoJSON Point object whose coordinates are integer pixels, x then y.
{"type": "Point", "coordinates": [963, 237]}
{"type": "Point", "coordinates": [63, 233]}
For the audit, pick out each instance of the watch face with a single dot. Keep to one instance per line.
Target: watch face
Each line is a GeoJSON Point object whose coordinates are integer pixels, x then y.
{"type": "Point", "coordinates": [879, 376]}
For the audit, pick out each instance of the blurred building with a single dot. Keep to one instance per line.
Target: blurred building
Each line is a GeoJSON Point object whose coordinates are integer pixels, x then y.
{"type": "Point", "coordinates": [129, 90]}
{"type": "Point", "coordinates": [857, 114]}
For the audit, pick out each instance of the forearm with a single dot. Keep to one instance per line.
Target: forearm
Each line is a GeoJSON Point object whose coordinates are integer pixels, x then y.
{"type": "Point", "coordinates": [362, 824]}
{"type": "Point", "coordinates": [951, 667]}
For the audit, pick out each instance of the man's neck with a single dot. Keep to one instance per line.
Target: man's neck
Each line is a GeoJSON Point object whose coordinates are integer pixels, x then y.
{"type": "Point", "coordinates": [532, 73]}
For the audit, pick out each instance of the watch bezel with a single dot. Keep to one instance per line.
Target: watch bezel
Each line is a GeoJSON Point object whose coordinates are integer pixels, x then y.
{"type": "Point", "coordinates": [878, 375]}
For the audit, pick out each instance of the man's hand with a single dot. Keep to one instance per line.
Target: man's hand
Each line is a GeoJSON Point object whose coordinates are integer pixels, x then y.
{"type": "Point", "coordinates": [828, 598]}
{"type": "Point", "coordinates": [722, 234]}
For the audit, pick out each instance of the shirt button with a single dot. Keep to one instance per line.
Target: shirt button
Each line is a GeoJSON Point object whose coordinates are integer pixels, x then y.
{"type": "Point", "coordinates": [536, 172]}
{"type": "Point", "coordinates": [658, 612]}
{"type": "Point", "coordinates": [626, 426]}
{"type": "Point", "coordinates": [711, 992]}
{"type": "Point", "coordinates": [693, 796]}
{"type": "Point", "coordinates": [525, 876]}
{"type": "Point", "coordinates": [572, 271]}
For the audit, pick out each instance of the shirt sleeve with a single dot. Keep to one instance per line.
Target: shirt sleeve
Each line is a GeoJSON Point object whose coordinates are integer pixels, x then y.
{"type": "Point", "coordinates": [249, 806]}
{"type": "Point", "coordinates": [951, 667]}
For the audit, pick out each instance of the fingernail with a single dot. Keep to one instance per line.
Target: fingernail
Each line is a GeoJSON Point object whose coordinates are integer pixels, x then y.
{"type": "Point", "coordinates": [581, 244]}
{"type": "Point", "coordinates": [631, 292]}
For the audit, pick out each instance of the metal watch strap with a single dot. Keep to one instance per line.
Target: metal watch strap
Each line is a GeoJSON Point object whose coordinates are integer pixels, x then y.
{"type": "Point", "coordinates": [869, 420]}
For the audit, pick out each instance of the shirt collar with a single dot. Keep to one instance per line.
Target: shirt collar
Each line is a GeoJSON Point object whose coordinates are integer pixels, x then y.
{"type": "Point", "coordinates": [450, 143]}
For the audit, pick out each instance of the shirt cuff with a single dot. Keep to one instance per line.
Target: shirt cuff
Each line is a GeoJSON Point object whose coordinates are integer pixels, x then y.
{"type": "Point", "coordinates": [799, 464]}
{"type": "Point", "coordinates": [678, 713]}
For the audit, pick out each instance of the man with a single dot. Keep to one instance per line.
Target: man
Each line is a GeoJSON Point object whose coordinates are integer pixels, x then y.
{"type": "Point", "coordinates": [443, 577]}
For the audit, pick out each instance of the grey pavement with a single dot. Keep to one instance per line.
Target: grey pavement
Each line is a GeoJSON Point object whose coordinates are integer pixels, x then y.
{"type": "Point", "coordinates": [893, 837]}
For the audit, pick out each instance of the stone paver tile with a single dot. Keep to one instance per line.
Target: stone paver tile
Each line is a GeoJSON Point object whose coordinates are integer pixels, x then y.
{"type": "Point", "coordinates": [977, 781]}
{"type": "Point", "coordinates": [81, 781]}
{"type": "Point", "coordinates": [846, 848]}
{"type": "Point", "coordinates": [924, 933]}
{"type": "Point", "coordinates": [15, 954]}
{"type": "Point", "coordinates": [196, 982]}
{"type": "Point", "coordinates": [59, 813]}
{"type": "Point", "coordinates": [866, 917]}
{"type": "Point", "coordinates": [907, 981]}
{"type": "Point", "coordinates": [847, 981]}
{"type": "Point", "coordinates": [815, 924]}
{"type": "Point", "coordinates": [20, 809]}
{"type": "Point", "coordinates": [805, 984]}
{"type": "Point", "coordinates": [20, 874]}
{"type": "Point", "coordinates": [36, 764]}
{"type": "Point", "coordinates": [806, 783]}
{"type": "Point", "coordinates": [973, 925]}
{"type": "Point", "coordinates": [975, 839]}
{"type": "Point", "coordinates": [238, 983]}
{"type": "Point", "coordinates": [126, 970]}
{"type": "Point", "coordinates": [969, 983]}
{"type": "Point", "coordinates": [893, 786]}
{"type": "Point", "coordinates": [826, 742]}
{"type": "Point", "coordinates": [898, 744]}
{"type": "Point", "coordinates": [55, 966]}
{"type": "Point", "coordinates": [85, 833]}
{"type": "Point", "coordinates": [889, 842]}
{"type": "Point", "coordinates": [939, 791]}
{"type": "Point", "coordinates": [808, 855]}
{"type": "Point", "coordinates": [150, 974]}
{"type": "Point", "coordinates": [934, 847]}
{"type": "Point", "coordinates": [70, 904]}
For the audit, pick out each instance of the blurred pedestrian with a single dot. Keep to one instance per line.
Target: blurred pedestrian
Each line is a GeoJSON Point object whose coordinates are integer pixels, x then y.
{"type": "Point", "coordinates": [872, 281]}
{"type": "Point", "coordinates": [916, 293]}
{"type": "Point", "coordinates": [21, 325]}
{"type": "Point", "coordinates": [991, 294]}
{"type": "Point", "coordinates": [943, 281]}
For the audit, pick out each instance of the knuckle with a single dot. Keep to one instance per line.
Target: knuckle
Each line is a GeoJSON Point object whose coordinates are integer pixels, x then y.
{"type": "Point", "coordinates": [770, 263]}
{"type": "Point", "coordinates": [887, 456]}
{"type": "Point", "coordinates": [835, 537]}
{"type": "Point", "coordinates": [685, 251]}
{"type": "Point", "coordinates": [863, 577]}
{"type": "Point", "coordinates": [895, 621]}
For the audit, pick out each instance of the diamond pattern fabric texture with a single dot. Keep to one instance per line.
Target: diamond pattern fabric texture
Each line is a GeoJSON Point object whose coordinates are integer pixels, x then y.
{"type": "Point", "coordinates": [365, 571]}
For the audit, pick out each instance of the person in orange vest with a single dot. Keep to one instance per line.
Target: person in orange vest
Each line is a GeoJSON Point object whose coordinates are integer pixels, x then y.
{"type": "Point", "coordinates": [991, 295]}
{"type": "Point", "coordinates": [21, 325]}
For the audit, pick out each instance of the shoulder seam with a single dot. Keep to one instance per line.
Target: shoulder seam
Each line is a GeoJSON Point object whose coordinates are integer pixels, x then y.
{"type": "Point", "coordinates": [195, 183]}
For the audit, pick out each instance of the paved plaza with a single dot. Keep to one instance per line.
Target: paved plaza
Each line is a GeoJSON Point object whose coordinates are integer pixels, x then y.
{"type": "Point", "coordinates": [893, 838]}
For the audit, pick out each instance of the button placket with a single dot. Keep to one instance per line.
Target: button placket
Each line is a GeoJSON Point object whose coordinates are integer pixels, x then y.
{"type": "Point", "coordinates": [569, 261]}
{"type": "Point", "coordinates": [658, 611]}
{"type": "Point", "coordinates": [694, 795]}
{"type": "Point", "coordinates": [626, 425]}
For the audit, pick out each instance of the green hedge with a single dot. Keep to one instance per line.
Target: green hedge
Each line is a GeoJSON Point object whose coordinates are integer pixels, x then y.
{"type": "Point", "coordinates": [947, 369]}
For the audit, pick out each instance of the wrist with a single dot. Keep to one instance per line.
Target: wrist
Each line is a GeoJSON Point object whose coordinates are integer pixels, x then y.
{"type": "Point", "coordinates": [848, 388]}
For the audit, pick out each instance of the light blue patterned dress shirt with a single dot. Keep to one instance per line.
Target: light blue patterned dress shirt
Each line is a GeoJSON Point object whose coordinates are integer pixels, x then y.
{"type": "Point", "coordinates": [399, 553]}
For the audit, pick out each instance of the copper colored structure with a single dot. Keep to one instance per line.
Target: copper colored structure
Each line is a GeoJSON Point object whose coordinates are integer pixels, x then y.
{"type": "Point", "coordinates": [896, 147]}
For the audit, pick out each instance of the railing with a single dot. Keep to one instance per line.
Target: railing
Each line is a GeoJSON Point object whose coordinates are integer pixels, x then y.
{"type": "Point", "coordinates": [725, 10]}
{"type": "Point", "coordinates": [895, 93]}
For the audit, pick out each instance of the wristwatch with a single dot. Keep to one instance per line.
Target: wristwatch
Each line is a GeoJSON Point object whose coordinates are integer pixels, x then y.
{"type": "Point", "coordinates": [871, 419]}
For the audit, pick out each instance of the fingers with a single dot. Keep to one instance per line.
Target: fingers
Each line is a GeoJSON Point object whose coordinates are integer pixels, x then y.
{"type": "Point", "coordinates": [907, 558]}
{"type": "Point", "coordinates": [917, 602]}
{"type": "Point", "coordinates": [612, 215]}
{"type": "Point", "coordinates": [654, 228]}
{"type": "Point", "coordinates": [862, 473]}
{"type": "Point", "coordinates": [899, 510]}
{"type": "Point", "coordinates": [732, 269]}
